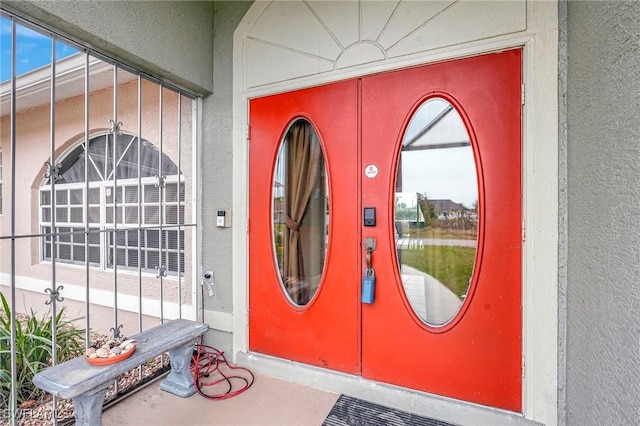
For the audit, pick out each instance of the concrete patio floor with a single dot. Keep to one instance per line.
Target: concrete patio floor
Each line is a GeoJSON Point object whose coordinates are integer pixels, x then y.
{"type": "Point", "coordinates": [268, 401]}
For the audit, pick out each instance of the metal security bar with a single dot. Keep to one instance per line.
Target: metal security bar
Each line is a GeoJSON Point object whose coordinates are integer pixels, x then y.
{"type": "Point", "coordinates": [99, 218]}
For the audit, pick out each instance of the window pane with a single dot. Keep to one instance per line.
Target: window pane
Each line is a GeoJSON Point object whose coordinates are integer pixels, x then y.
{"type": "Point", "coordinates": [61, 197]}
{"type": "Point", "coordinates": [94, 195]}
{"type": "Point", "coordinates": [76, 215]}
{"type": "Point", "coordinates": [300, 197]}
{"type": "Point", "coordinates": [94, 255]}
{"type": "Point", "coordinates": [172, 262]}
{"type": "Point", "coordinates": [132, 238]}
{"type": "Point", "coordinates": [78, 253]}
{"type": "Point", "coordinates": [151, 215]}
{"type": "Point", "coordinates": [47, 251]}
{"type": "Point", "coordinates": [94, 237]}
{"type": "Point", "coordinates": [131, 194]}
{"type": "Point", "coordinates": [45, 198]}
{"type": "Point", "coordinates": [78, 235]}
{"type": "Point", "coordinates": [171, 215]}
{"type": "Point", "coordinates": [62, 214]}
{"type": "Point", "coordinates": [153, 239]}
{"type": "Point", "coordinates": [120, 237]}
{"type": "Point", "coordinates": [64, 235]}
{"type": "Point", "coordinates": [94, 214]}
{"type": "Point", "coordinates": [153, 258]}
{"type": "Point", "coordinates": [436, 212]}
{"type": "Point", "coordinates": [121, 257]}
{"type": "Point", "coordinates": [151, 194]}
{"type": "Point", "coordinates": [119, 197]}
{"type": "Point", "coordinates": [76, 197]}
{"type": "Point", "coordinates": [64, 252]}
{"type": "Point", "coordinates": [133, 258]}
{"type": "Point", "coordinates": [172, 240]}
{"type": "Point", "coordinates": [131, 215]}
{"type": "Point", "coordinates": [171, 193]}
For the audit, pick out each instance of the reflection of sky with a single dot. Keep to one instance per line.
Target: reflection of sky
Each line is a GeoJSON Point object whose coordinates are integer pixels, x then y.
{"type": "Point", "coordinates": [441, 174]}
{"type": "Point", "coordinates": [33, 50]}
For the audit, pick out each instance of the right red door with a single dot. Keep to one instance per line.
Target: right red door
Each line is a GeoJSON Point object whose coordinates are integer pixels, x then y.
{"type": "Point", "coordinates": [474, 354]}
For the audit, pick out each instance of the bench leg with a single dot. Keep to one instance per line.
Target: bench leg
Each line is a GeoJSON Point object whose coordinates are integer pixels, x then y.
{"type": "Point", "coordinates": [180, 380]}
{"type": "Point", "coordinates": [88, 407]}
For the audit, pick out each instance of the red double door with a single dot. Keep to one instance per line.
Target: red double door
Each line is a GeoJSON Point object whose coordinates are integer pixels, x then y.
{"type": "Point", "coordinates": [361, 122]}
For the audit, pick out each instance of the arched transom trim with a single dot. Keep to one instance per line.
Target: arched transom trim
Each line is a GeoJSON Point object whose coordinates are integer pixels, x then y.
{"type": "Point", "coordinates": [289, 40]}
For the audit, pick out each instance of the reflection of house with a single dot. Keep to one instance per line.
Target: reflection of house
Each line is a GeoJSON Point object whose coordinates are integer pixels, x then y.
{"type": "Point", "coordinates": [579, 75]}
{"type": "Point", "coordinates": [447, 209]}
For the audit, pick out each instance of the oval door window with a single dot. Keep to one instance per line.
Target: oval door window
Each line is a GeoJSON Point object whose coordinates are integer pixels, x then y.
{"type": "Point", "coordinates": [436, 212]}
{"type": "Point", "coordinates": [300, 212]}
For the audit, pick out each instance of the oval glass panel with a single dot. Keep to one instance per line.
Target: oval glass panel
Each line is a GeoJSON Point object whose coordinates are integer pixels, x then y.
{"type": "Point", "coordinates": [300, 212]}
{"type": "Point", "coordinates": [436, 212]}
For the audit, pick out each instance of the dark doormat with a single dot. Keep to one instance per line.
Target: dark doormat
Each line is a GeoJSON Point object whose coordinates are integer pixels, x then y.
{"type": "Point", "coordinates": [349, 411]}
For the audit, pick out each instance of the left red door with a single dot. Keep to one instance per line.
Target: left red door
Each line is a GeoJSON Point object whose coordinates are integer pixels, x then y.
{"type": "Point", "coordinates": [326, 331]}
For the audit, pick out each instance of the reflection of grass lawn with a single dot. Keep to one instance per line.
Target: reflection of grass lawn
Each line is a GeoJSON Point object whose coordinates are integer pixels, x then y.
{"type": "Point", "coordinates": [452, 266]}
{"type": "Point", "coordinates": [444, 233]}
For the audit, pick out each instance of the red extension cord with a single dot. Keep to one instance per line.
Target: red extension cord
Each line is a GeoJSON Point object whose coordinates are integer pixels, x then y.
{"type": "Point", "coordinates": [210, 369]}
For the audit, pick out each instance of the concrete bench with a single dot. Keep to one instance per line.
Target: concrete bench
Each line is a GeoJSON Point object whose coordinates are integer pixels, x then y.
{"type": "Point", "coordinates": [87, 384]}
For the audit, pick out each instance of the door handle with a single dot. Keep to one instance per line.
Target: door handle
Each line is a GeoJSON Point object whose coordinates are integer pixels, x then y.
{"type": "Point", "coordinates": [369, 279]}
{"type": "Point", "coordinates": [370, 247]}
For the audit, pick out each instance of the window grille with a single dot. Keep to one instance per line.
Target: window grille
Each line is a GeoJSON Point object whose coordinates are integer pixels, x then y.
{"type": "Point", "coordinates": [159, 204]}
{"type": "Point", "coordinates": [98, 184]}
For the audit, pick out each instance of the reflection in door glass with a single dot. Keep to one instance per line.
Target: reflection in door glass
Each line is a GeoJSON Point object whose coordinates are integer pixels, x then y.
{"type": "Point", "coordinates": [436, 212]}
{"type": "Point", "coordinates": [300, 212]}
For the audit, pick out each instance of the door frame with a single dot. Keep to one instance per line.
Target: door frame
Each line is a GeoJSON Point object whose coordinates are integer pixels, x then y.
{"type": "Point", "coordinates": [540, 175]}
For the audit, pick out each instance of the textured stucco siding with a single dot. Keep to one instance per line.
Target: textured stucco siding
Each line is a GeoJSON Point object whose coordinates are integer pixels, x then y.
{"type": "Point", "coordinates": [170, 40]}
{"type": "Point", "coordinates": [603, 323]}
{"type": "Point", "coordinates": [216, 160]}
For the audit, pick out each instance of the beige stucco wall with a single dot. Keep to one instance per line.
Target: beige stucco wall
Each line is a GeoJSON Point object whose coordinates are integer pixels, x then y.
{"type": "Point", "coordinates": [33, 148]}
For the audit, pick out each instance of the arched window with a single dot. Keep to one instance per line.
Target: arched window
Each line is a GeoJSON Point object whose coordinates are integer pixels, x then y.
{"type": "Point", "coordinates": [135, 206]}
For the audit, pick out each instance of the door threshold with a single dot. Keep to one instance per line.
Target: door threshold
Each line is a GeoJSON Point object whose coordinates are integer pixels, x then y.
{"type": "Point", "coordinates": [409, 400]}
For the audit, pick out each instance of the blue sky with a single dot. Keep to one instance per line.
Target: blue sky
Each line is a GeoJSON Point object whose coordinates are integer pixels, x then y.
{"type": "Point", "coordinates": [33, 50]}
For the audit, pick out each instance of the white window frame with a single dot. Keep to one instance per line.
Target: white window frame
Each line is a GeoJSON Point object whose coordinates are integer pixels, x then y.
{"type": "Point", "coordinates": [103, 225]}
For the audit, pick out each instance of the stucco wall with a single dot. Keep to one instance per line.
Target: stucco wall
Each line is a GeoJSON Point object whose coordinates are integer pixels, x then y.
{"type": "Point", "coordinates": [217, 155]}
{"type": "Point", "coordinates": [136, 33]}
{"type": "Point", "coordinates": [603, 324]}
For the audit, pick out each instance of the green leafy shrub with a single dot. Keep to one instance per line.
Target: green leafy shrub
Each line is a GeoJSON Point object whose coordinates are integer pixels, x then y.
{"type": "Point", "coordinates": [33, 350]}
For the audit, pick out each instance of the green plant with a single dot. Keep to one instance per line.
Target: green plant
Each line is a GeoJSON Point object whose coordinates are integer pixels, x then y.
{"type": "Point", "coordinates": [33, 349]}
